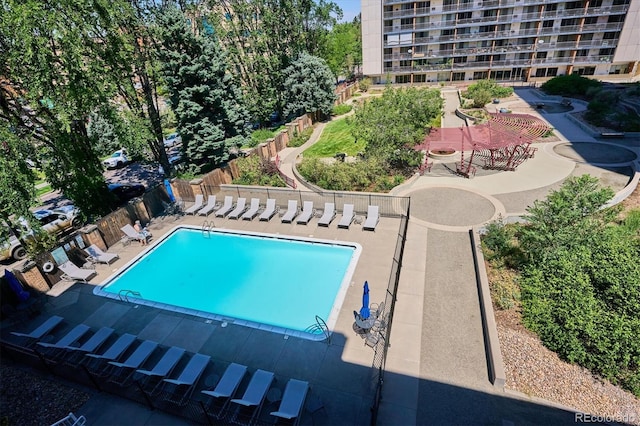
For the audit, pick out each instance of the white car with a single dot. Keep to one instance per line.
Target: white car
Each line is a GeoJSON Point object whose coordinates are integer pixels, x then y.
{"type": "Point", "coordinates": [171, 140]}
{"type": "Point", "coordinates": [116, 160]}
{"type": "Point", "coordinates": [12, 249]}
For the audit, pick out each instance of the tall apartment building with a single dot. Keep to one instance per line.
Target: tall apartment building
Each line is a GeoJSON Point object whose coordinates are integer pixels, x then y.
{"type": "Point", "coordinates": [409, 41]}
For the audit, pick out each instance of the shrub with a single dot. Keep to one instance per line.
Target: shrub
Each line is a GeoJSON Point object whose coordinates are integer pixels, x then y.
{"type": "Point", "coordinates": [341, 109]}
{"type": "Point", "coordinates": [256, 171]}
{"type": "Point", "coordinates": [567, 85]}
{"type": "Point", "coordinates": [299, 139]}
{"type": "Point", "coordinates": [365, 175]}
{"type": "Point", "coordinates": [364, 84]}
{"type": "Point", "coordinates": [490, 87]}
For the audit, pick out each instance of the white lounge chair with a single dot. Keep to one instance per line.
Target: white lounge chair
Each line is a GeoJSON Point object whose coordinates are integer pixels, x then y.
{"type": "Point", "coordinates": [132, 235]}
{"type": "Point", "coordinates": [292, 400]}
{"type": "Point", "coordinates": [347, 216]}
{"type": "Point", "coordinates": [42, 330]}
{"type": "Point", "coordinates": [372, 219]}
{"type": "Point", "coordinates": [254, 395]}
{"type": "Point", "coordinates": [71, 272]}
{"type": "Point", "coordinates": [227, 386]}
{"type": "Point", "coordinates": [73, 354]}
{"type": "Point", "coordinates": [186, 382]}
{"type": "Point", "coordinates": [239, 209]}
{"type": "Point", "coordinates": [253, 209]}
{"type": "Point", "coordinates": [226, 207]}
{"type": "Point", "coordinates": [328, 215]}
{"type": "Point", "coordinates": [96, 255]}
{"type": "Point", "coordinates": [50, 351]}
{"type": "Point", "coordinates": [291, 213]}
{"type": "Point", "coordinates": [71, 420]}
{"type": "Point", "coordinates": [120, 372]}
{"type": "Point", "coordinates": [270, 210]}
{"type": "Point", "coordinates": [211, 205]}
{"type": "Point", "coordinates": [163, 367]}
{"type": "Point", "coordinates": [92, 361]}
{"type": "Point", "coordinates": [196, 206]}
{"type": "Point", "coordinates": [306, 214]}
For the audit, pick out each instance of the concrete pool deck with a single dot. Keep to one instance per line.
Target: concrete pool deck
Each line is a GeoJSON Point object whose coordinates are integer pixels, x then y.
{"type": "Point", "coordinates": [339, 372]}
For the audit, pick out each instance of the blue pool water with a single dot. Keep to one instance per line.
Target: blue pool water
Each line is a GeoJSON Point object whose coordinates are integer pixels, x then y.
{"type": "Point", "coordinates": [260, 279]}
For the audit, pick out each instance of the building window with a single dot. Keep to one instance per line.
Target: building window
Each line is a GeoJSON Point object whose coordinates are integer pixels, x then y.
{"type": "Point", "coordinates": [547, 24]}
{"type": "Point", "coordinates": [403, 79]}
{"type": "Point", "coordinates": [569, 22]}
{"type": "Point", "coordinates": [420, 78]}
{"type": "Point", "coordinates": [480, 75]}
{"type": "Point", "coordinates": [575, 5]}
{"type": "Point", "coordinates": [595, 3]}
{"type": "Point", "coordinates": [611, 35]}
{"type": "Point", "coordinates": [500, 75]}
{"type": "Point", "coordinates": [540, 72]}
{"type": "Point", "coordinates": [591, 20]}
{"type": "Point", "coordinates": [552, 72]}
{"type": "Point", "coordinates": [585, 71]}
{"type": "Point", "coordinates": [457, 76]}
{"type": "Point", "coordinates": [615, 18]}
{"type": "Point", "coordinates": [541, 55]}
{"type": "Point", "coordinates": [620, 2]}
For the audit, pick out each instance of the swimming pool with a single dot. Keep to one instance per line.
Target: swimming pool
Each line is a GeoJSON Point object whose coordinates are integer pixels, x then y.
{"type": "Point", "coordinates": [273, 282]}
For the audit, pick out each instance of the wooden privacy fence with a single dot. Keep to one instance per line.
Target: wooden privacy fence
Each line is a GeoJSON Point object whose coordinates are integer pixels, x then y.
{"type": "Point", "coordinates": [142, 209]}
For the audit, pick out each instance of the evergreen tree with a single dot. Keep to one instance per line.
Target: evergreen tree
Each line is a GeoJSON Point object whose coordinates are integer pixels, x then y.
{"type": "Point", "coordinates": [211, 116]}
{"type": "Point", "coordinates": [309, 87]}
{"type": "Point", "coordinates": [54, 76]}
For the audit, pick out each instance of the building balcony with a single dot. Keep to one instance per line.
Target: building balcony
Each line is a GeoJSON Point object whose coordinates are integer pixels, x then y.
{"type": "Point", "coordinates": [407, 12]}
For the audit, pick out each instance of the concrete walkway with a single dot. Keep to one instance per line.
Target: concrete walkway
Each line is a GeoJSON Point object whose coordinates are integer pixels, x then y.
{"type": "Point", "coordinates": [441, 376]}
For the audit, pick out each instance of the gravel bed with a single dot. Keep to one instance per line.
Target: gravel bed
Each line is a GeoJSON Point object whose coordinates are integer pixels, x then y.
{"type": "Point", "coordinates": [29, 398]}
{"type": "Point", "coordinates": [536, 371]}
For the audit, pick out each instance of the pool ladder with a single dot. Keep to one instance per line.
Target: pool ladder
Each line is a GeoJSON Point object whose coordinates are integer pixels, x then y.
{"type": "Point", "coordinates": [320, 327]}
{"type": "Point", "coordinates": [124, 294]}
{"type": "Point", "coordinates": [207, 227]}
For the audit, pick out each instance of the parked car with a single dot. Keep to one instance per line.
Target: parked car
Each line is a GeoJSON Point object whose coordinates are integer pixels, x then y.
{"type": "Point", "coordinates": [126, 191]}
{"type": "Point", "coordinates": [12, 249]}
{"type": "Point", "coordinates": [172, 140]}
{"type": "Point", "coordinates": [117, 159]}
{"type": "Point", "coordinates": [52, 221]}
{"type": "Point", "coordinates": [58, 220]}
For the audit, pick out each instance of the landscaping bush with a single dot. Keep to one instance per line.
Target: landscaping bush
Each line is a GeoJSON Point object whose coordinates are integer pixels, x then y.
{"type": "Point", "coordinates": [364, 84]}
{"type": "Point", "coordinates": [256, 171]}
{"type": "Point", "coordinates": [299, 139]}
{"type": "Point", "coordinates": [580, 278]}
{"type": "Point", "coordinates": [341, 109]}
{"type": "Point", "coordinates": [484, 91]}
{"type": "Point", "coordinates": [365, 175]}
{"type": "Point", "coordinates": [570, 85]}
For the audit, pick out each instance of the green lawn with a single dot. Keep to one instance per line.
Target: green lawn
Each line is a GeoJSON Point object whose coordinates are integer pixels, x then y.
{"type": "Point", "coordinates": [335, 138]}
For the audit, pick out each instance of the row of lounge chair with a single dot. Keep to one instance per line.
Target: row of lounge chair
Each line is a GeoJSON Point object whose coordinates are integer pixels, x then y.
{"type": "Point", "coordinates": [240, 210]}
{"type": "Point", "coordinates": [113, 365]}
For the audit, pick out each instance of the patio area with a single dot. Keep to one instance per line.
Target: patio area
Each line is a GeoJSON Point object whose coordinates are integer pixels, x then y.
{"type": "Point", "coordinates": [339, 371]}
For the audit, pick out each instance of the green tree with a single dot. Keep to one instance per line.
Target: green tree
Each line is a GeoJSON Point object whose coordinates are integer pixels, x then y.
{"type": "Point", "coordinates": [568, 217]}
{"type": "Point", "coordinates": [393, 123]}
{"type": "Point", "coordinates": [308, 87]}
{"type": "Point", "coordinates": [344, 49]}
{"type": "Point", "coordinates": [208, 106]}
{"type": "Point", "coordinates": [262, 37]}
{"type": "Point", "coordinates": [52, 61]}
{"type": "Point", "coordinates": [17, 190]}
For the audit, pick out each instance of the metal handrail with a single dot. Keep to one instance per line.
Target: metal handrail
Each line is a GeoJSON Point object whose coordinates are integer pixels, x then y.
{"type": "Point", "coordinates": [123, 294]}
